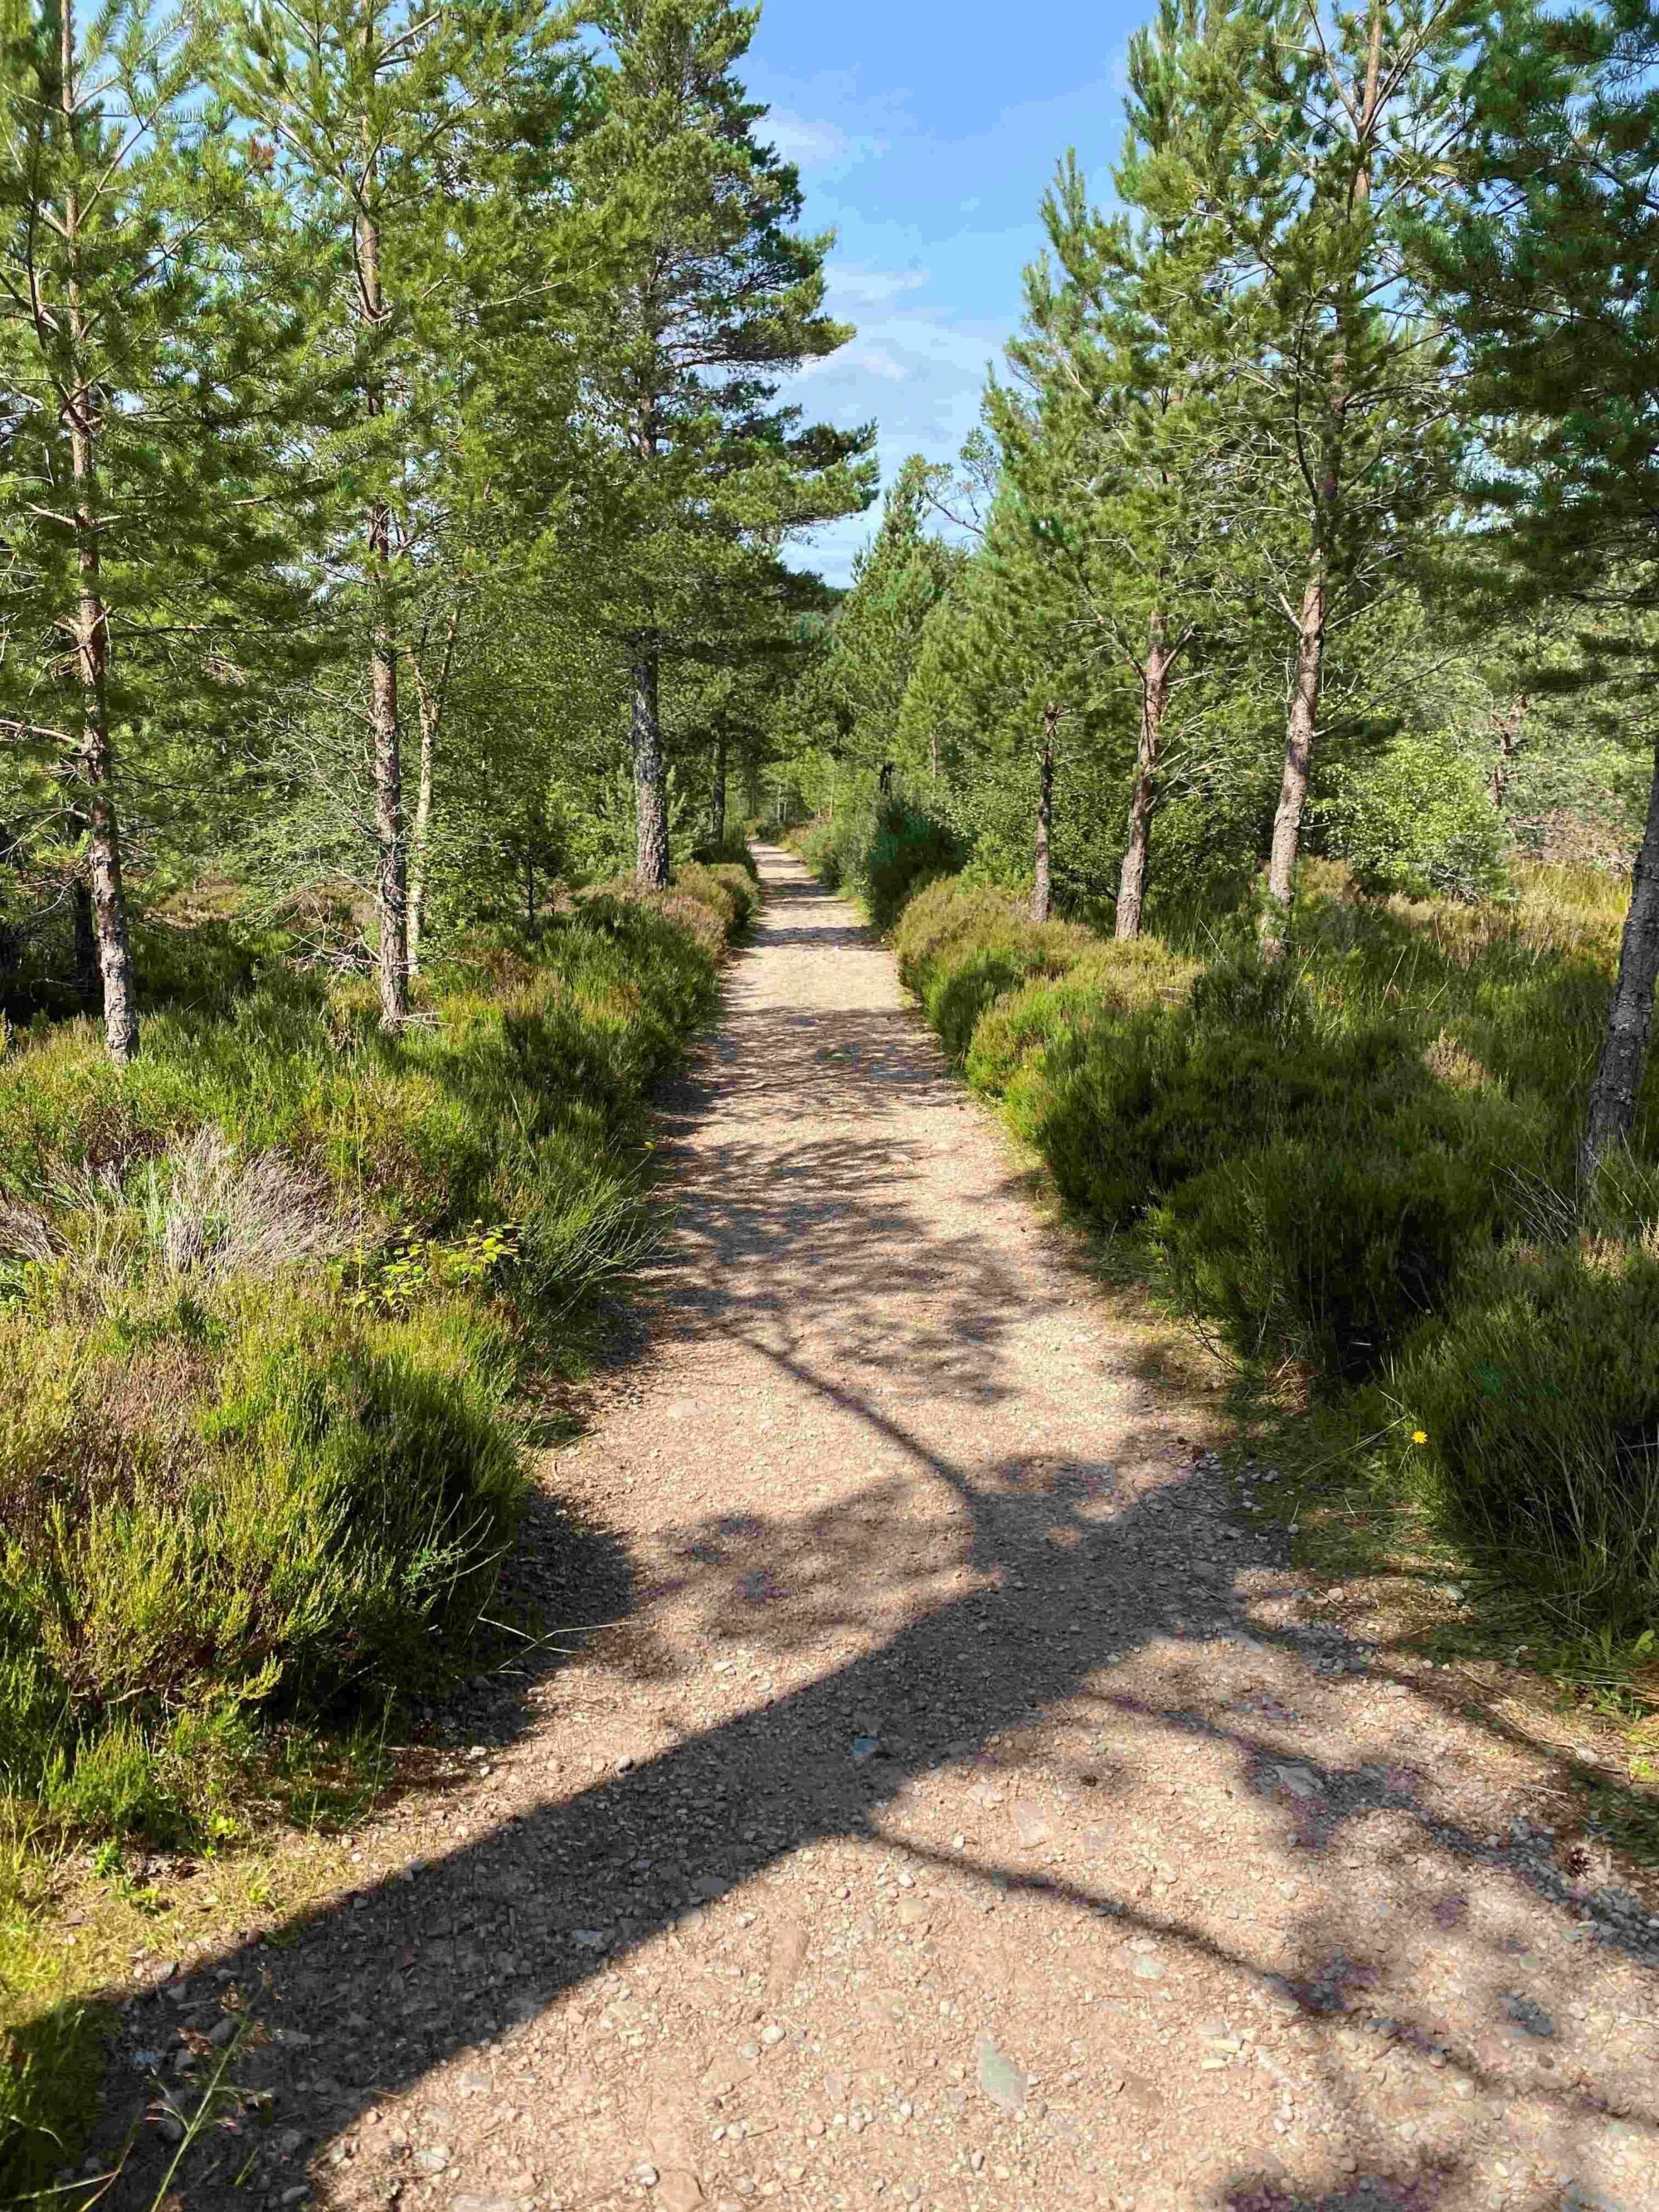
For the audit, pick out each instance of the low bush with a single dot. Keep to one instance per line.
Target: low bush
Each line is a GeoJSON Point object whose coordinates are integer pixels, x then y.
{"type": "Point", "coordinates": [908, 849]}
{"type": "Point", "coordinates": [1127, 1106]}
{"type": "Point", "coordinates": [1538, 1406]}
{"type": "Point", "coordinates": [835, 851]}
{"type": "Point", "coordinates": [883, 858]}
{"type": "Point", "coordinates": [1139, 976]}
{"type": "Point", "coordinates": [1326, 1253]}
{"type": "Point", "coordinates": [730, 890]}
{"type": "Point", "coordinates": [962, 947]}
{"type": "Point", "coordinates": [731, 851]}
{"type": "Point", "coordinates": [265, 1296]}
{"type": "Point", "coordinates": [1336, 1156]}
{"type": "Point", "coordinates": [1416, 817]}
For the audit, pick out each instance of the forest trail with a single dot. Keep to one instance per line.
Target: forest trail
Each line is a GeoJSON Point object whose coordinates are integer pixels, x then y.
{"type": "Point", "coordinates": [970, 1809]}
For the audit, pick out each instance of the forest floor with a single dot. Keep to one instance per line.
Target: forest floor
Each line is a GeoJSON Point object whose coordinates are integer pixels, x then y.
{"type": "Point", "coordinates": [970, 1805]}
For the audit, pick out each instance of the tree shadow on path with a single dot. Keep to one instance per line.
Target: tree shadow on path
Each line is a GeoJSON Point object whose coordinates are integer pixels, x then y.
{"type": "Point", "coordinates": [1056, 1576]}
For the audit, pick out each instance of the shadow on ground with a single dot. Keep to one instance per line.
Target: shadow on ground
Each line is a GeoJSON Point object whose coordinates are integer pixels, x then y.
{"type": "Point", "coordinates": [1057, 1575]}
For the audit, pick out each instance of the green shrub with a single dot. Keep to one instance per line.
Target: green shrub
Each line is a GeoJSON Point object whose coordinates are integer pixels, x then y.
{"type": "Point", "coordinates": [883, 858]}
{"type": "Point", "coordinates": [836, 851]}
{"type": "Point", "coordinates": [265, 1297]}
{"type": "Point", "coordinates": [327, 1507]}
{"type": "Point", "coordinates": [907, 849]}
{"type": "Point", "coordinates": [1327, 1253]}
{"type": "Point", "coordinates": [1337, 1152]}
{"type": "Point", "coordinates": [820, 848]}
{"type": "Point", "coordinates": [1539, 1404]}
{"type": "Point", "coordinates": [1140, 975]}
{"type": "Point", "coordinates": [1416, 818]}
{"type": "Point", "coordinates": [729, 891]}
{"type": "Point", "coordinates": [1125, 1108]}
{"type": "Point", "coordinates": [962, 947]}
{"type": "Point", "coordinates": [733, 851]}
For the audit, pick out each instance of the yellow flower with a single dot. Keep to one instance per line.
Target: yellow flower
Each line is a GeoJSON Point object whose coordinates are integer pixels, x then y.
{"type": "Point", "coordinates": [1419, 1435]}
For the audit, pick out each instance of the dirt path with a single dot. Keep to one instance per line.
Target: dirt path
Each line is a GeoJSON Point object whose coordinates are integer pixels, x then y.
{"type": "Point", "coordinates": [970, 1811]}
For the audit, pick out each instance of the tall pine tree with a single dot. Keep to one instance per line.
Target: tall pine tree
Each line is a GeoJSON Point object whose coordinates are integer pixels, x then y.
{"type": "Point", "coordinates": [898, 579]}
{"type": "Point", "coordinates": [148, 282]}
{"type": "Point", "coordinates": [1553, 273]}
{"type": "Point", "coordinates": [1309, 138]}
{"type": "Point", "coordinates": [1108, 448]}
{"type": "Point", "coordinates": [714, 295]}
{"type": "Point", "coordinates": [375, 117]}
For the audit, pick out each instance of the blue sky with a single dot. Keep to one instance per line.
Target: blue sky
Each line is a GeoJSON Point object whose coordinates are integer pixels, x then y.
{"type": "Point", "coordinates": [926, 135]}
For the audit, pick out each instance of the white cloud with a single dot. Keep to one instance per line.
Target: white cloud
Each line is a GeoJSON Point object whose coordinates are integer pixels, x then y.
{"type": "Point", "coordinates": [853, 287]}
{"type": "Point", "coordinates": [920, 373]}
{"type": "Point", "coordinates": [821, 148]}
{"type": "Point", "coordinates": [876, 361]}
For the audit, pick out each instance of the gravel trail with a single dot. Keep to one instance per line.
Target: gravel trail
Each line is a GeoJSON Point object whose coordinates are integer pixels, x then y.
{"type": "Point", "coordinates": [970, 1808]}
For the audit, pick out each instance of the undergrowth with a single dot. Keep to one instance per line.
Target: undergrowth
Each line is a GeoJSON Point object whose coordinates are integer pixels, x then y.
{"type": "Point", "coordinates": [881, 857]}
{"type": "Point", "coordinates": [267, 1300]}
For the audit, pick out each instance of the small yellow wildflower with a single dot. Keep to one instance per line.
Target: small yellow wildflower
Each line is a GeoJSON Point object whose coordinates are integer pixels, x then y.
{"type": "Point", "coordinates": [1419, 1435]}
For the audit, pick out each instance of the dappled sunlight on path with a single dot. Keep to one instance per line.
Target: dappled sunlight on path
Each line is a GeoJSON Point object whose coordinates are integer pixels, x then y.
{"type": "Point", "coordinates": [968, 1811]}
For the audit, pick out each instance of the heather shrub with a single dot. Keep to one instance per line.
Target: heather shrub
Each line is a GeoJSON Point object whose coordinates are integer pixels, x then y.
{"type": "Point", "coordinates": [1357, 1166]}
{"type": "Point", "coordinates": [837, 851]}
{"type": "Point", "coordinates": [1127, 1106]}
{"type": "Point", "coordinates": [908, 848]}
{"type": "Point", "coordinates": [1140, 975]}
{"type": "Point", "coordinates": [962, 947]}
{"type": "Point", "coordinates": [728, 889]}
{"type": "Point", "coordinates": [1538, 1405]}
{"type": "Point", "coordinates": [730, 851]}
{"type": "Point", "coordinates": [883, 856]}
{"type": "Point", "coordinates": [1326, 1252]}
{"type": "Point", "coordinates": [265, 1300]}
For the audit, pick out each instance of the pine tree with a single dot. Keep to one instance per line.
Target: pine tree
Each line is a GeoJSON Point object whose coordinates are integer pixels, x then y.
{"type": "Point", "coordinates": [1004, 670]}
{"type": "Point", "coordinates": [1307, 137]}
{"type": "Point", "coordinates": [713, 296]}
{"type": "Point", "coordinates": [898, 579]}
{"type": "Point", "coordinates": [380, 121]}
{"type": "Point", "coordinates": [147, 282]}
{"type": "Point", "coordinates": [1552, 273]}
{"type": "Point", "coordinates": [1107, 449]}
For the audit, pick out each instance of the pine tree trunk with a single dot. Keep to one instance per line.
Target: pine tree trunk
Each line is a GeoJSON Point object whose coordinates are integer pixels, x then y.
{"type": "Point", "coordinates": [1511, 726]}
{"type": "Point", "coordinates": [11, 937]}
{"type": "Point", "coordinates": [390, 847]}
{"type": "Point", "coordinates": [88, 984]}
{"type": "Point", "coordinates": [1042, 879]}
{"type": "Point", "coordinates": [421, 833]}
{"type": "Point", "coordinates": [1302, 724]}
{"type": "Point", "coordinates": [430, 701]}
{"type": "Point", "coordinates": [1300, 729]}
{"type": "Point", "coordinates": [1154, 699]}
{"type": "Point", "coordinates": [392, 855]}
{"type": "Point", "coordinates": [650, 788]}
{"type": "Point", "coordinates": [93, 763]}
{"type": "Point", "coordinates": [1617, 1090]}
{"type": "Point", "coordinates": [717, 795]}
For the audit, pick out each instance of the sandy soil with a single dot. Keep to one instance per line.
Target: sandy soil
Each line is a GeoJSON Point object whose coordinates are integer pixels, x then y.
{"type": "Point", "coordinates": [970, 1807]}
